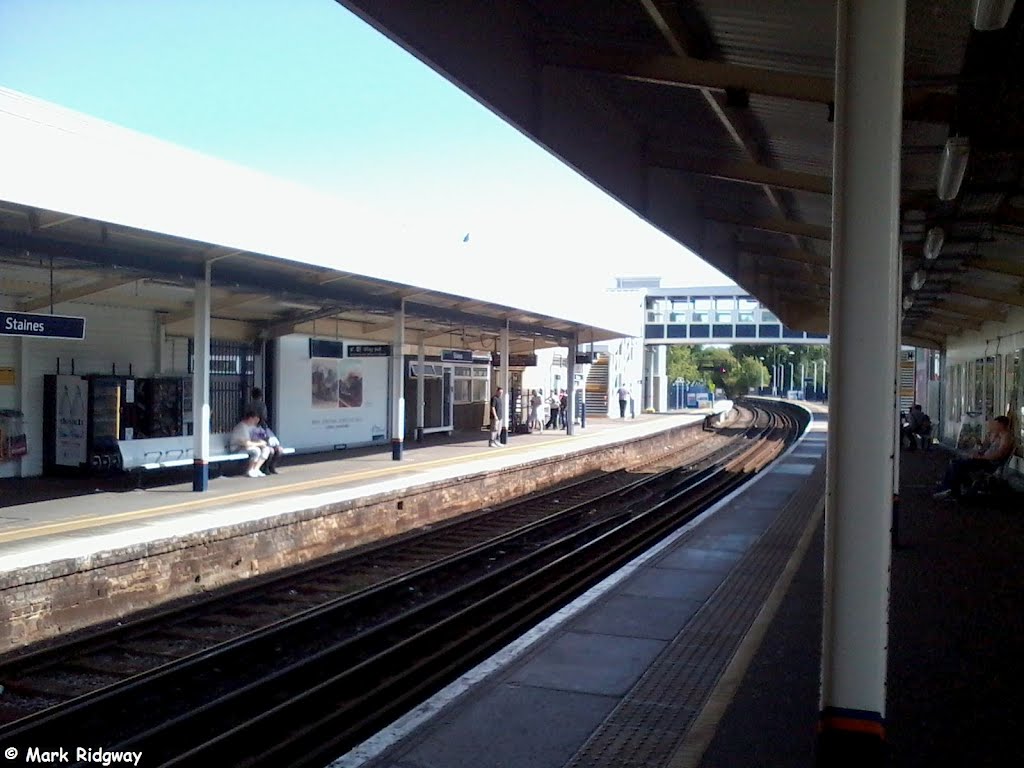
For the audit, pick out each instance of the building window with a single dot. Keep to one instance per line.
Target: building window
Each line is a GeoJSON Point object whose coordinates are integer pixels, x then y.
{"type": "Point", "coordinates": [471, 383]}
{"type": "Point", "coordinates": [724, 306]}
{"type": "Point", "coordinates": [768, 317]}
{"type": "Point", "coordinates": [701, 310]}
{"type": "Point", "coordinates": [680, 309]}
{"type": "Point", "coordinates": [657, 310]}
{"type": "Point", "coordinates": [746, 310]}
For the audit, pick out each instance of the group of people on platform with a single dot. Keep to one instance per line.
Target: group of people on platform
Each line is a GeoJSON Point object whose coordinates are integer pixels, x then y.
{"type": "Point", "coordinates": [253, 435]}
{"type": "Point", "coordinates": [992, 454]}
{"type": "Point", "coordinates": [558, 408]}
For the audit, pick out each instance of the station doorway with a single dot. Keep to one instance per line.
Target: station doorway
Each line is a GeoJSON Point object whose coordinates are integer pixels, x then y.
{"type": "Point", "coordinates": [438, 397]}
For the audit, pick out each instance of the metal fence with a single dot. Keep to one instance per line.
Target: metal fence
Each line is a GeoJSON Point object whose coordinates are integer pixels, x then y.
{"type": "Point", "coordinates": [232, 376]}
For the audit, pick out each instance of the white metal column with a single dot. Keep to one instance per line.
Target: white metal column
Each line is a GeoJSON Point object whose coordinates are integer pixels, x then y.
{"type": "Point", "coordinates": [570, 374]}
{"type": "Point", "coordinates": [421, 357]}
{"type": "Point", "coordinates": [864, 308]}
{"type": "Point", "coordinates": [398, 385]}
{"type": "Point", "coordinates": [201, 384]}
{"type": "Point", "coordinates": [503, 342]}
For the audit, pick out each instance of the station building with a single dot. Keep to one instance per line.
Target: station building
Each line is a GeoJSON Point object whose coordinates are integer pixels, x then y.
{"type": "Point", "coordinates": [111, 242]}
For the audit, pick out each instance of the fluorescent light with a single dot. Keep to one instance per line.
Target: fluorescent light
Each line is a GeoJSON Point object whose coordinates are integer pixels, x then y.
{"type": "Point", "coordinates": [917, 279]}
{"type": "Point", "coordinates": [908, 302]}
{"type": "Point", "coordinates": [933, 243]}
{"type": "Point", "coordinates": [954, 164]}
{"type": "Point", "coordinates": [991, 14]}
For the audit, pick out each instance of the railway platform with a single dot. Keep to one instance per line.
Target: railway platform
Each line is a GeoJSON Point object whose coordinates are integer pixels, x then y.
{"type": "Point", "coordinates": [74, 553]}
{"type": "Point", "coordinates": [688, 659]}
{"type": "Point", "coordinates": [637, 671]}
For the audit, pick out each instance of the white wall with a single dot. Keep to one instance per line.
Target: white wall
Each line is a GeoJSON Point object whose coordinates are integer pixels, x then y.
{"type": "Point", "coordinates": [306, 427]}
{"type": "Point", "coordinates": [113, 337]}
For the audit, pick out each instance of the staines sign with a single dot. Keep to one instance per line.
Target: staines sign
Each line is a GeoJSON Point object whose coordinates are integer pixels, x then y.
{"type": "Point", "coordinates": [41, 326]}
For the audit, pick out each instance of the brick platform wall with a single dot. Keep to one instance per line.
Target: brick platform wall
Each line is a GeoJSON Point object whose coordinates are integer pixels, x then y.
{"type": "Point", "coordinates": [56, 598]}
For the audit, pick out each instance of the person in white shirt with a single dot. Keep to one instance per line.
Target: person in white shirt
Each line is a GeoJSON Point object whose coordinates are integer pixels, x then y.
{"type": "Point", "coordinates": [623, 400]}
{"type": "Point", "coordinates": [242, 439]}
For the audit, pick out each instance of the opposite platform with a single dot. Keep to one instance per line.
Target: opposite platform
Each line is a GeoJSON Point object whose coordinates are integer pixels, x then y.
{"type": "Point", "coordinates": [73, 561]}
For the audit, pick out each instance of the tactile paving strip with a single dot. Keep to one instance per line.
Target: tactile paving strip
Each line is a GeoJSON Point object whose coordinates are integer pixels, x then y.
{"type": "Point", "coordinates": [651, 723]}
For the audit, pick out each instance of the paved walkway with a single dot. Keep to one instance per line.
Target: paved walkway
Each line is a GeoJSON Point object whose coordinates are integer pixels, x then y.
{"type": "Point", "coordinates": [956, 668]}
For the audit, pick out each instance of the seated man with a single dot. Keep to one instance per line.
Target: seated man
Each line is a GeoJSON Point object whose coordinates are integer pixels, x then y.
{"type": "Point", "coordinates": [995, 450]}
{"type": "Point", "coordinates": [243, 439]}
{"type": "Point", "coordinates": [918, 425]}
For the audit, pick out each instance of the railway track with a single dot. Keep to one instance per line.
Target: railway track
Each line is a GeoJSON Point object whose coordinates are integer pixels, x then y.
{"type": "Point", "coordinates": [355, 656]}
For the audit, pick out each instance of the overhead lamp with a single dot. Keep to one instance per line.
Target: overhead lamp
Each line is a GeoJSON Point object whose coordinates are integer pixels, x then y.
{"type": "Point", "coordinates": [917, 279]}
{"type": "Point", "coordinates": [908, 302]}
{"type": "Point", "coordinates": [991, 14]}
{"type": "Point", "coordinates": [933, 243]}
{"type": "Point", "coordinates": [954, 164]}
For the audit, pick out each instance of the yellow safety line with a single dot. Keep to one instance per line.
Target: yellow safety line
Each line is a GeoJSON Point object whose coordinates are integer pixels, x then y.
{"type": "Point", "coordinates": [95, 521]}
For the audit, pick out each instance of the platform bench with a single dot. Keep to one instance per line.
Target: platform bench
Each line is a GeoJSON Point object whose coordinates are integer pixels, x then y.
{"type": "Point", "coordinates": [140, 457]}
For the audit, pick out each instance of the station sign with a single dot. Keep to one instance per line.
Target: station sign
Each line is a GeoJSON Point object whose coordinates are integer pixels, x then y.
{"type": "Point", "coordinates": [515, 361]}
{"type": "Point", "coordinates": [457, 355]}
{"type": "Point", "coordinates": [584, 359]}
{"type": "Point", "coordinates": [41, 326]}
{"type": "Point", "coordinates": [369, 350]}
{"type": "Point", "coordinates": [321, 348]}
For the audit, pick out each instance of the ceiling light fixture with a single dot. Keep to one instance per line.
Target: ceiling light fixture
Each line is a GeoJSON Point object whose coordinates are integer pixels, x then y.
{"type": "Point", "coordinates": [908, 302]}
{"type": "Point", "coordinates": [917, 280]}
{"type": "Point", "coordinates": [933, 243]}
{"type": "Point", "coordinates": [991, 14]}
{"type": "Point", "coordinates": [954, 165]}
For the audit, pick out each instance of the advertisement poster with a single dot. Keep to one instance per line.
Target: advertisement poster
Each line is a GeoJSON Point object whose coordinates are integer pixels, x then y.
{"type": "Point", "coordinates": [328, 402]}
{"type": "Point", "coordinates": [72, 428]}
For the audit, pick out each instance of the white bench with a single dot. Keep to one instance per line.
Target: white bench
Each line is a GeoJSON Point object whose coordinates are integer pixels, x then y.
{"type": "Point", "coordinates": [158, 453]}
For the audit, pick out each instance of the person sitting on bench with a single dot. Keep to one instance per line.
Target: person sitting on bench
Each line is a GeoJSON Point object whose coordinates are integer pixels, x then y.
{"type": "Point", "coordinates": [918, 426]}
{"type": "Point", "coordinates": [994, 451]}
{"type": "Point", "coordinates": [243, 440]}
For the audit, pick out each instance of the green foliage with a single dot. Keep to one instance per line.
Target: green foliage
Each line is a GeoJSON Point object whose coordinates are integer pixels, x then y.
{"type": "Point", "coordinates": [681, 363]}
{"type": "Point", "coordinates": [748, 374]}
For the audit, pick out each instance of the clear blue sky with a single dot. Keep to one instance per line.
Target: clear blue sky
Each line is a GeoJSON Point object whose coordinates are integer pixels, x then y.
{"type": "Point", "coordinates": [306, 91]}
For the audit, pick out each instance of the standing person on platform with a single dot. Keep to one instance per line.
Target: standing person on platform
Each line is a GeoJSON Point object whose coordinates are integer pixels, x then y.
{"type": "Point", "coordinates": [623, 400]}
{"type": "Point", "coordinates": [497, 417]}
{"type": "Point", "coordinates": [563, 407]}
{"type": "Point", "coordinates": [535, 405]}
{"type": "Point", "coordinates": [553, 408]}
{"type": "Point", "coordinates": [259, 406]}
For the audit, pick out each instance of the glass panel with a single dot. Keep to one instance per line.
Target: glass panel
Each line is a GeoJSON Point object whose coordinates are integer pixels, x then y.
{"type": "Point", "coordinates": [725, 303]}
{"type": "Point", "coordinates": [479, 391]}
{"type": "Point", "coordinates": [723, 316]}
{"type": "Point", "coordinates": [462, 390]}
{"type": "Point", "coordinates": [461, 370]}
{"type": "Point", "coordinates": [768, 317]}
{"type": "Point", "coordinates": [481, 373]}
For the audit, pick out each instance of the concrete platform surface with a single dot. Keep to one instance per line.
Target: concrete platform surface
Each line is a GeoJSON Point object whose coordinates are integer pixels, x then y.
{"type": "Point", "coordinates": [622, 676]}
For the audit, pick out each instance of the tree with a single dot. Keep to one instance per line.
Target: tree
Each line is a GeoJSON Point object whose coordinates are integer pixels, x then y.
{"type": "Point", "coordinates": [715, 365]}
{"type": "Point", "coordinates": [681, 363]}
{"type": "Point", "coordinates": [748, 374]}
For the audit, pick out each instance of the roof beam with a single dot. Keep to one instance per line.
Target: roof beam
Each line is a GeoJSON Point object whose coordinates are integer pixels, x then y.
{"type": "Point", "coordinates": [999, 266]}
{"type": "Point", "coordinates": [691, 73]}
{"type": "Point", "coordinates": [778, 226]}
{"type": "Point", "coordinates": [785, 254]}
{"type": "Point", "coordinates": [960, 312]}
{"type": "Point", "coordinates": [78, 292]}
{"type": "Point", "coordinates": [1015, 299]}
{"type": "Point", "coordinates": [742, 173]}
{"type": "Point", "coordinates": [666, 17]}
{"type": "Point", "coordinates": [218, 306]}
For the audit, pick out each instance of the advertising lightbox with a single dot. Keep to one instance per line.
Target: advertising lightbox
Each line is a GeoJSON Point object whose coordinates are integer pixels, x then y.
{"type": "Point", "coordinates": [329, 402]}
